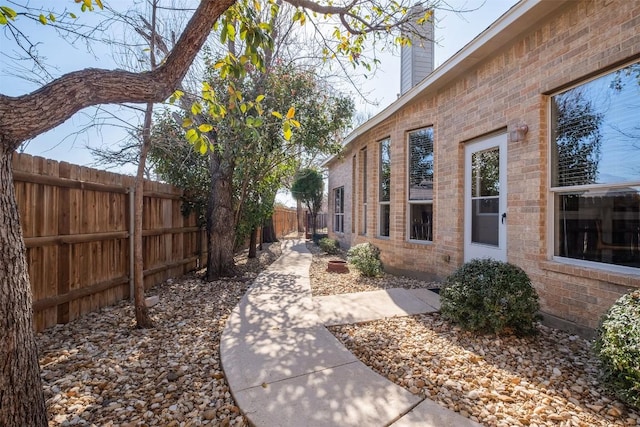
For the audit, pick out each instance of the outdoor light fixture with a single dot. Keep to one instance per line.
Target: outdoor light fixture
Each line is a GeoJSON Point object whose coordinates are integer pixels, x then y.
{"type": "Point", "coordinates": [518, 132]}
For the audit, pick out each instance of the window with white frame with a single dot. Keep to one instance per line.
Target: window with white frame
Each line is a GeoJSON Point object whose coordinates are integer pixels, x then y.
{"type": "Point", "coordinates": [354, 171]}
{"type": "Point", "coordinates": [595, 169]}
{"type": "Point", "coordinates": [420, 153]}
{"type": "Point", "coordinates": [364, 185]}
{"type": "Point", "coordinates": [384, 191]}
{"type": "Point", "coordinates": [338, 207]}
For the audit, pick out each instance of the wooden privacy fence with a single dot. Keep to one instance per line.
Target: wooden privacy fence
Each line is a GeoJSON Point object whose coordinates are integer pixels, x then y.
{"type": "Point", "coordinates": [285, 221]}
{"type": "Point", "coordinates": [76, 223]}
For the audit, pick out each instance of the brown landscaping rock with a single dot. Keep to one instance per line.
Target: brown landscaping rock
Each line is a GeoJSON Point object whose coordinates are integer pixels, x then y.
{"type": "Point", "coordinates": [101, 370]}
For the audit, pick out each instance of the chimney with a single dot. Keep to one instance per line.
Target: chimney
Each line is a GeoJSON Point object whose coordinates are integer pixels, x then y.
{"type": "Point", "coordinates": [416, 61]}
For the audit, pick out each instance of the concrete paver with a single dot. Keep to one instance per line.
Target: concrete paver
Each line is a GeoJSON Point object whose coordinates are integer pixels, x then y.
{"type": "Point", "coordinates": [428, 297]}
{"type": "Point", "coordinates": [348, 395]}
{"type": "Point", "coordinates": [429, 414]}
{"type": "Point", "coordinates": [285, 368]}
{"type": "Point", "coordinates": [366, 306]}
{"type": "Point", "coordinates": [281, 355]}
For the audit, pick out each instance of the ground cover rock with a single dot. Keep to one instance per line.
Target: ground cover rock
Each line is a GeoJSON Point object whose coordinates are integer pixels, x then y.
{"type": "Point", "coordinates": [101, 371]}
{"type": "Point", "coordinates": [546, 380]}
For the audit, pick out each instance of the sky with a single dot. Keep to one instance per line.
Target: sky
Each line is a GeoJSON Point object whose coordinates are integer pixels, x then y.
{"type": "Point", "coordinates": [68, 142]}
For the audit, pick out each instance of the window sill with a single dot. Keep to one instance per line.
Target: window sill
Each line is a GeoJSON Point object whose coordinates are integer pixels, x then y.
{"type": "Point", "coordinates": [420, 242]}
{"type": "Point", "coordinates": [619, 276]}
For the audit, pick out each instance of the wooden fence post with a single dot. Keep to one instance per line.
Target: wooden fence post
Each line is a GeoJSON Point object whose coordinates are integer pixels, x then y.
{"type": "Point", "coordinates": [131, 206]}
{"type": "Point", "coordinates": [64, 250]}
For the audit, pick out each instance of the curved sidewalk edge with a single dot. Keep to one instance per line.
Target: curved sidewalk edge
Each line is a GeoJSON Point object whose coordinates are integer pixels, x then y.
{"type": "Point", "coordinates": [285, 368]}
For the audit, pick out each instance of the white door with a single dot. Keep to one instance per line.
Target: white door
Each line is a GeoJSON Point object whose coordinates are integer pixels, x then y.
{"type": "Point", "coordinates": [485, 198]}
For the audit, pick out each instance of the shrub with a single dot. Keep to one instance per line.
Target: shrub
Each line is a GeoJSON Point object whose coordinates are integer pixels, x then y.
{"type": "Point", "coordinates": [366, 258]}
{"type": "Point", "coordinates": [617, 347]}
{"type": "Point", "coordinates": [330, 246]}
{"type": "Point", "coordinates": [491, 296]}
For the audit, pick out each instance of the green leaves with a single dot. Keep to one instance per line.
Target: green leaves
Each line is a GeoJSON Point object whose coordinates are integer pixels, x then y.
{"type": "Point", "coordinates": [196, 108]}
{"type": "Point", "coordinates": [426, 17]}
{"type": "Point", "coordinates": [366, 258]}
{"type": "Point", "coordinates": [87, 5]}
{"type": "Point", "coordinates": [286, 129]}
{"type": "Point", "coordinates": [617, 347]}
{"type": "Point", "coordinates": [192, 136]}
{"type": "Point", "coordinates": [490, 296]}
{"type": "Point", "coordinates": [175, 96]}
{"type": "Point", "coordinates": [299, 16]}
{"type": "Point", "coordinates": [288, 123]}
{"type": "Point", "coordinates": [198, 138]}
{"type": "Point", "coordinates": [7, 14]}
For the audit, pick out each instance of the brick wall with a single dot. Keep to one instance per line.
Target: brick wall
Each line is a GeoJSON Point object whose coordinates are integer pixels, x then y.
{"type": "Point", "coordinates": [510, 86]}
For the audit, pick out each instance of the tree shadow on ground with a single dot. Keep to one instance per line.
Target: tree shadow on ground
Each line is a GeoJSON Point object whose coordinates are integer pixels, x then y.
{"type": "Point", "coordinates": [548, 379]}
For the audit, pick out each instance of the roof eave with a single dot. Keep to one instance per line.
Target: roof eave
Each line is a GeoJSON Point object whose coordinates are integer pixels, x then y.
{"type": "Point", "coordinates": [513, 23]}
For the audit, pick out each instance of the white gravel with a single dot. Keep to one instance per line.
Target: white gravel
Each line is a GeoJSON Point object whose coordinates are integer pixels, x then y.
{"type": "Point", "coordinates": [546, 380]}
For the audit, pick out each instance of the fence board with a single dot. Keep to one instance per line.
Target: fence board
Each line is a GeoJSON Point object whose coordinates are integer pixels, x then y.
{"type": "Point", "coordinates": [75, 222]}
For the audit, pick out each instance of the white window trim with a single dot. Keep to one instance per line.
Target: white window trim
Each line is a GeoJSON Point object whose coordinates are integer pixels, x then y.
{"type": "Point", "coordinates": [417, 202]}
{"type": "Point", "coordinates": [364, 162]}
{"type": "Point", "coordinates": [612, 268]}
{"type": "Point", "coordinates": [337, 214]}
{"type": "Point", "coordinates": [365, 211]}
{"type": "Point", "coordinates": [381, 203]}
{"type": "Point", "coordinates": [409, 225]}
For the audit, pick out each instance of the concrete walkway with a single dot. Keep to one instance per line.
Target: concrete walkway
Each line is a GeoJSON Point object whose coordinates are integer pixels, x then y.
{"type": "Point", "coordinates": [285, 368]}
{"type": "Point", "coordinates": [344, 309]}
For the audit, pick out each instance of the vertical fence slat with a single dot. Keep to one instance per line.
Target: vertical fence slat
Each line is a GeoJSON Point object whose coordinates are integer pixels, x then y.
{"type": "Point", "coordinates": [71, 278]}
{"type": "Point", "coordinates": [64, 251]}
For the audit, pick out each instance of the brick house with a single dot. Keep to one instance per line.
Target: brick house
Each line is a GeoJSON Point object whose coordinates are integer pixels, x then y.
{"type": "Point", "coordinates": [523, 147]}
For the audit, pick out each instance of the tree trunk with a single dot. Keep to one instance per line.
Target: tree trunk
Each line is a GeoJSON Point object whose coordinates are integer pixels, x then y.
{"type": "Point", "coordinates": [21, 396]}
{"type": "Point", "coordinates": [314, 222]}
{"type": "Point", "coordinates": [61, 98]}
{"type": "Point", "coordinates": [220, 221]}
{"type": "Point", "coordinates": [269, 231]}
{"type": "Point", "coordinates": [300, 214]}
{"type": "Point", "coordinates": [143, 321]}
{"type": "Point", "coordinates": [253, 240]}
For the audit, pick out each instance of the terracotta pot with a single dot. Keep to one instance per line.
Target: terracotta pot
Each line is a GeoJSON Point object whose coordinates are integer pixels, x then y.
{"type": "Point", "coordinates": [337, 267]}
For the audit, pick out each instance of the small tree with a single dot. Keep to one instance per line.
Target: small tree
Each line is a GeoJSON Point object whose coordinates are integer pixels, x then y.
{"type": "Point", "coordinates": [308, 188]}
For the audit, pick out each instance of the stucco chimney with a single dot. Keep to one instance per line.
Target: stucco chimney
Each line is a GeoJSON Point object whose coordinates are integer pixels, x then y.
{"type": "Point", "coordinates": [416, 61]}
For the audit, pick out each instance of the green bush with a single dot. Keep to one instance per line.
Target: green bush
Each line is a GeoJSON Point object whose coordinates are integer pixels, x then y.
{"type": "Point", "coordinates": [330, 246]}
{"type": "Point", "coordinates": [491, 296]}
{"type": "Point", "coordinates": [366, 258]}
{"type": "Point", "coordinates": [617, 347]}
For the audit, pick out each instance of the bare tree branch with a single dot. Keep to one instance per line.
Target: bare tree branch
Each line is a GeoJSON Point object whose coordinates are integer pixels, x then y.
{"type": "Point", "coordinates": [27, 116]}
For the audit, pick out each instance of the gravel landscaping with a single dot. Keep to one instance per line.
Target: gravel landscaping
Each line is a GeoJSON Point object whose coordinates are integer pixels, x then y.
{"type": "Point", "coordinates": [546, 380]}
{"type": "Point", "coordinates": [101, 371]}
